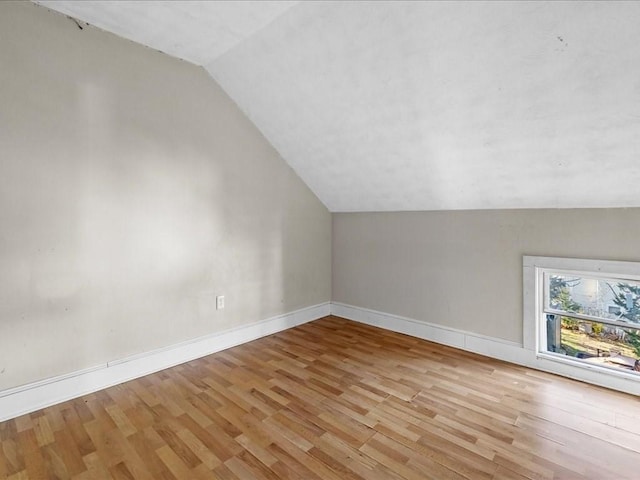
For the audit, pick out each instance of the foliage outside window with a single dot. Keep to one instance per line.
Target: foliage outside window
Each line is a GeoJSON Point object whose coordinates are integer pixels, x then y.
{"type": "Point", "coordinates": [593, 319]}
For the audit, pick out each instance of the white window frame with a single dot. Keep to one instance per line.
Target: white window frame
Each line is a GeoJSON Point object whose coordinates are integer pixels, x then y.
{"type": "Point", "coordinates": [534, 336]}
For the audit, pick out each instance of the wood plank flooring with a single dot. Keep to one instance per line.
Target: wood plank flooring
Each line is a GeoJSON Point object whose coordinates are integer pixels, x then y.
{"type": "Point", "coordinates": [333, 399]}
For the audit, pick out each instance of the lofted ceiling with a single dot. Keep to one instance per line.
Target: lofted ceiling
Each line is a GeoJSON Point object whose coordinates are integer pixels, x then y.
{"type": "Point", "coordinates": [196, 31]}
{"type": "Point", "coordinates": [384, 106]}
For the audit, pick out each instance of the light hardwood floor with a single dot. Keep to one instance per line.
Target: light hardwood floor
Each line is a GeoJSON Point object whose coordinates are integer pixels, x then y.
{"type": "Point", "coordinates": [333, 399]}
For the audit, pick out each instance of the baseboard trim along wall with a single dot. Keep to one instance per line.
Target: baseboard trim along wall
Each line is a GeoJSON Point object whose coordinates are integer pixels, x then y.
{"type": "Point", "coordinates": [34, 396]}
{"type": "Point", "coordinates": [491, 347]}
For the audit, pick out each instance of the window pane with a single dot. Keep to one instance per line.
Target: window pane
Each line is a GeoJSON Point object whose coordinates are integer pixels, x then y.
{"type": "Point", "coordinates": [596, 343]}
{"type": "Point", "coordinates": [609, 299]}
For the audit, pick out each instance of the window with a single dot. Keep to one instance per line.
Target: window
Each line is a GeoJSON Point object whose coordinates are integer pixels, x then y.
{"type": "Point", "coordinates": [591, 318]}
{"type": "Point", "coordinates": [581, 319]}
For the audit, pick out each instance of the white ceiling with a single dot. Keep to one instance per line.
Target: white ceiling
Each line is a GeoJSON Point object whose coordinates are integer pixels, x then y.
{"type": "Point", "coordinates": [422, 106]}
{"type": "Point", "coordinates": [197, 31]}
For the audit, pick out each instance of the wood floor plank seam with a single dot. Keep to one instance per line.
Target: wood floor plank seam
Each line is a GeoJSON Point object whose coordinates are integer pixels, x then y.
{"type": "Point", "coordinates": [333, 399]}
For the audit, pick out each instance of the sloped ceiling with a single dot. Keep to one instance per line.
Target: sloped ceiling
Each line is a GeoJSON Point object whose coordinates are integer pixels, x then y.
{"type": "Point", "coordinates": [384, 106]}
{"type": "Point", "coordinates": [196, 31]}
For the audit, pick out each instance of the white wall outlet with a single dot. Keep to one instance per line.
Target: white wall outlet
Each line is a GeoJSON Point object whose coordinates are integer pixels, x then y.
{"type": "Point", "coordinates": [219, 302]}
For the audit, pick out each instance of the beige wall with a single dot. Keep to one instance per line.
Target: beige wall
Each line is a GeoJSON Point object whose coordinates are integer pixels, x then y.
{"type": "Point", "coordinates": [132, 191]}
{"type": "Point", "coordinates": [463, 269]}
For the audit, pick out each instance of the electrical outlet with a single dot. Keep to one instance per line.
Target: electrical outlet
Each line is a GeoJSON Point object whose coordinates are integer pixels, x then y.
{"type": "Point", "coordinates": [219, 302]}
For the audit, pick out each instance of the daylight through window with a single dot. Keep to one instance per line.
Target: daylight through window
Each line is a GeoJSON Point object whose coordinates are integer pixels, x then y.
{"type": "Point", "coordinates": [590, 318]}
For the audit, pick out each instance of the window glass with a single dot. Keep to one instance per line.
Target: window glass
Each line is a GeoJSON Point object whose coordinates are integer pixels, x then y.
{"type": "Point", "coordinates": [593, 342]}
{"type": "Point", "coordinates": [573, 304]}
{"type": "Point", "coordinates": [609, 299]}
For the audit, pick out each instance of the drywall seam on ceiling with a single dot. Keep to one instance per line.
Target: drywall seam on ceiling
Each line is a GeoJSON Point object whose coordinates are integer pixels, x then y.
{"type": "Point", "coordinates": [195, 31]}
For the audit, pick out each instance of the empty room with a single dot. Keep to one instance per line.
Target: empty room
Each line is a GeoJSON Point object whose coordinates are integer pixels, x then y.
{"type": "Point", "coordinates": [317, 240]}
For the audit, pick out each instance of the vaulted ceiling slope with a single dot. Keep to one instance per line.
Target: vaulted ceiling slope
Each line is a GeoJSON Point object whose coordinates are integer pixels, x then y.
{"type": "Point", "coordinates": [197, 31]}
{"type": "Point", "coordinates": [383, 106]}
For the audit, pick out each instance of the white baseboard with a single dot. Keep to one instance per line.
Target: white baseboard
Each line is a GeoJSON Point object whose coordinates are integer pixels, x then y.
{"type": "Point", "coordinates": [488, 346]}
{"type": "Point", "coordinates": [34, 396]}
